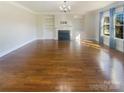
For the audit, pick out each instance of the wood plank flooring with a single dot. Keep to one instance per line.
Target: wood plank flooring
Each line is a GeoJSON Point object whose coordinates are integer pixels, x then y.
{"type": "Point", "coordinates": [49, 65]}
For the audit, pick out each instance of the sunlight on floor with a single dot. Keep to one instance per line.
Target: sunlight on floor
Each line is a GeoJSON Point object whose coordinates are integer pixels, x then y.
{"type": "Point", "coordinates": [64, 86]}
{"type": "Point", "coordinates": [112, 69]}
{"type": "Point", "coordinates": [90, 44]}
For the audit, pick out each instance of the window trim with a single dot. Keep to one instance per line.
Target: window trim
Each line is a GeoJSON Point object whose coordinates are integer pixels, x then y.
{"type": "Point", "coordinates": [117, 13]}
{"type": "Point", "coordinates": [107, 35]}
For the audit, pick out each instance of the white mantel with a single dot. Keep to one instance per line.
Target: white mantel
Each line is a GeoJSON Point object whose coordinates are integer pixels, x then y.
{"type": "Point", "coordinates": [59, 26]}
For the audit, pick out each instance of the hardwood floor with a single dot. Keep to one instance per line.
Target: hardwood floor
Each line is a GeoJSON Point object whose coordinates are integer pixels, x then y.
{"type": "Point", "coordinates": [51, 65]}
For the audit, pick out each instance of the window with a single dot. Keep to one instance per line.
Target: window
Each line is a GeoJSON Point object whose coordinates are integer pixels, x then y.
{"type": "Point", "coordinates": [119, 26]}
{"type": "Point", "coordinates": [106, 26]}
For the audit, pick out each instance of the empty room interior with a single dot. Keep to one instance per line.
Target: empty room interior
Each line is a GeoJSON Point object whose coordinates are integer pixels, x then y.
{"type": "Point", "coordinates": [61, 46]}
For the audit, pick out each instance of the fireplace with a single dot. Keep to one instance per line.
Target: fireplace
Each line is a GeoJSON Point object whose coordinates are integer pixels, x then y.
{"type": "Point", "coordinates": [64, 35]}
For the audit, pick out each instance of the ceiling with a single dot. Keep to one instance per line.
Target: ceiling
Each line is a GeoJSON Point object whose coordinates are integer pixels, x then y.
{"type": "Point", "coordinates": [52, 7]}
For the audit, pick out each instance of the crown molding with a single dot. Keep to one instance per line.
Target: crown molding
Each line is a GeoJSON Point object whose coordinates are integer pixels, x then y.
{"type": "Point", "coordinates": [22, 7]}
{"type": "Point", "coordinates": [58, 13]}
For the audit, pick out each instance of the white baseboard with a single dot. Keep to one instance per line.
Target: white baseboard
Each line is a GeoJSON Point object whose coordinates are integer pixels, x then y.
{"type": "Point", "coordinates": [15, 48]}
{"type": "Point", "coordinates": [45, 39]}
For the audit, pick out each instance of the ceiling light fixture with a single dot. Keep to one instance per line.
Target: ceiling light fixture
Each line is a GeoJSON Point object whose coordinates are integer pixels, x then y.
{"type": "Point", "coordinates": [65, 7]}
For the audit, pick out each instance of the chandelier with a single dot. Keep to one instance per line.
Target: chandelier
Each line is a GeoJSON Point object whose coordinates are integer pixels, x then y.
{"type": "Point", "coordinates": [65, 7]}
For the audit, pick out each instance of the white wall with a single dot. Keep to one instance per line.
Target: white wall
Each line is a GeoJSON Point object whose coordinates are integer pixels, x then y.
{"type": "Point", "coordinates": [106, 40]}
{"type": "Point", "coordinates": [17, 27]}
{"type": "Point", "coordinates": [77, 27]}
{"type": "Point", "coordinates": [91, 26]}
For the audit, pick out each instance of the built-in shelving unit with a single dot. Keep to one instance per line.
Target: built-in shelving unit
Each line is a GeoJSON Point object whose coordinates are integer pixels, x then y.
{"type": "Point", "coordinates": [49, 22]}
